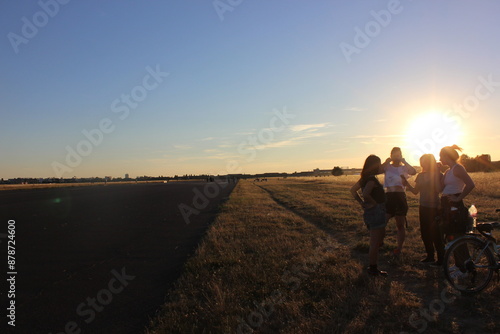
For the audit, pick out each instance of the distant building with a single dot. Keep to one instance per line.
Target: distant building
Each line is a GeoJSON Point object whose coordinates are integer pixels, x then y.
{"type": "Point", "coordinates": [126, 176]}
{"type": "Point", "coordinates": [321, 172]}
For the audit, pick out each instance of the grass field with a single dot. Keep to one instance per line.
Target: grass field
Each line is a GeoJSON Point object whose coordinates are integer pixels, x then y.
{"type": "Point", "coordinates": [289, 256]}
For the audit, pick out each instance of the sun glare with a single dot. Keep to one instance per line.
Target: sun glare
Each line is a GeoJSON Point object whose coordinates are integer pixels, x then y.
{"type": "Point", "coordinates": [429, 132]}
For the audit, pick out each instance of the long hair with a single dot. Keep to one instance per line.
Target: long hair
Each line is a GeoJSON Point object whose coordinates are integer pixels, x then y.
{"type": "Point", "coordinates": [428, 163]}
{"type": "Point", "coordinates": [450, 152]}
{"type": "Point", "coordinates": [371, 166]}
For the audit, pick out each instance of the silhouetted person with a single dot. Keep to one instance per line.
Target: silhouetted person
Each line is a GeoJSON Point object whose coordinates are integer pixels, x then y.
{"type": "Point", "coordinates": [372, 201]}
{"type": "Point", "coordinates": [457, 184]}
{"type": "Point", "coordinates": [397, 205]}
{"type": "Point", "coordinates": [429, 184]}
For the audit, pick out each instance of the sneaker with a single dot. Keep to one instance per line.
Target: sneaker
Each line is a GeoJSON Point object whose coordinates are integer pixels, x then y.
{"type": "Point", "coordinates": [427, 259]}
{"type": "Point", "coordinates": [376, 272]}
{"type": "Point", "coordinates": [457, 273]}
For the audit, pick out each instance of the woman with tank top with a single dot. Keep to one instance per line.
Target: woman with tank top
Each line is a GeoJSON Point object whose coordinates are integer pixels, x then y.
{"type": "Point", "coordinates": [372, 200]}
{"type": "Point", "coordinates": [457, 184]}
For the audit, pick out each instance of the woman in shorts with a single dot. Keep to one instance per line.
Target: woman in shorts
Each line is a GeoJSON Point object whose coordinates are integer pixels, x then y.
{"type": "Point", "coordinates": [397, 206]}
{"type": "Point", "coordinates": [372, 200]}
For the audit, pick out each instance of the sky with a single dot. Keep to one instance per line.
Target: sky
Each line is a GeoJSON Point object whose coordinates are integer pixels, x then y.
{"type": "Point", "coordinates": [108, 88]}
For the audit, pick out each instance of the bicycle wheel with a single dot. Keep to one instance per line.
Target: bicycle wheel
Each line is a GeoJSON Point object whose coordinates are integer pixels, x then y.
{"type": "Point", "coordinates": [469, 264]}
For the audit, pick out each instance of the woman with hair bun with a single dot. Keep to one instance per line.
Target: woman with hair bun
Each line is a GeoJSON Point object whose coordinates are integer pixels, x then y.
{"type": "Point", "coordinates": [457, 184]}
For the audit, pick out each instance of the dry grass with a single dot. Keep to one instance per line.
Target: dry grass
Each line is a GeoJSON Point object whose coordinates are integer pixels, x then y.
{"type": "Point", "coordinates": [486, 196]}
{"type": "Point", "coordinates": [288, 256]}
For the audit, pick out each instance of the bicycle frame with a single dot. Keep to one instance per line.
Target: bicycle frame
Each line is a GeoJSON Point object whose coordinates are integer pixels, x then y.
{"type": "Point", "coordinates": [472, 259]}
{"type": "Point", "coordinates": [488, 241]}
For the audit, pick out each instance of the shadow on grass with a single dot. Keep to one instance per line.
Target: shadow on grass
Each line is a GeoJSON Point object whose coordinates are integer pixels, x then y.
{"type": "Point", "coordinates": [434, 308]}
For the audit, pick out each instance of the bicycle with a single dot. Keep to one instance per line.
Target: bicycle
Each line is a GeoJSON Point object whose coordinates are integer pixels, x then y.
{"type": "Point", "coordinates": [471, 260]}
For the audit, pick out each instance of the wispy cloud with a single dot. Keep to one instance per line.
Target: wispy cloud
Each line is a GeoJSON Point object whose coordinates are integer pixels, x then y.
{"type": "Point", "coordinates": [305, 127]}
{"type": "Point", "coordinates": [245, 133]}
{"type": "Point", "coordinates": [376, 136]}
{"type": "Point", "coordinates": [293, 141]}
{"type": "Point", "coordinates": [337, 150]}
{"type": "Point", "coordinates": [299, 134]}
{"type": "Point", "coordinates": [182, 147]}
{"type": "Point", "coordinates": [224, 149]}
{"type": "Point", "coordinates": [355, 109]}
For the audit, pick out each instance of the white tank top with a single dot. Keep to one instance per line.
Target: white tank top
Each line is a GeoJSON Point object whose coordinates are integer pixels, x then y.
{"type": "Point", "coordinates": [452, 184]}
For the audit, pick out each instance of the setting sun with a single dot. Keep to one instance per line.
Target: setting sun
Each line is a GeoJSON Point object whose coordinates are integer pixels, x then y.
{"type": "Point", "coordinates": [429, 132]}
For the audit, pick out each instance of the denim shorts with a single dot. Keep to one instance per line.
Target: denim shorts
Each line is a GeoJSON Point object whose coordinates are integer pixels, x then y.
{"type": "Point", "coordinates": [375, 217]}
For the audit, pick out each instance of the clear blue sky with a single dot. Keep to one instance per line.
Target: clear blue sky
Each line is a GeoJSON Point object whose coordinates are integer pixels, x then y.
{"type": "Point", "coordinates": [354, 85]}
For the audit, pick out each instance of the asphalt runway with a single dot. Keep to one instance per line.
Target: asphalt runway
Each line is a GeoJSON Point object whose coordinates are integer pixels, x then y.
{"type": "Point", "coordinates": [99, 259]}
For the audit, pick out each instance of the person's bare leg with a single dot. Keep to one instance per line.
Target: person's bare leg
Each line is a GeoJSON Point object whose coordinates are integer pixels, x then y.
{"type": "Point", "coordinates": [376, 238]}
{"type": "Point", "coordinates": [400, 224]}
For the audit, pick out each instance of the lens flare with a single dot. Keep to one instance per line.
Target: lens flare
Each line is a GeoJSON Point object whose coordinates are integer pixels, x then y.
{"type": "Point", "coordinates": [430, 131]}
